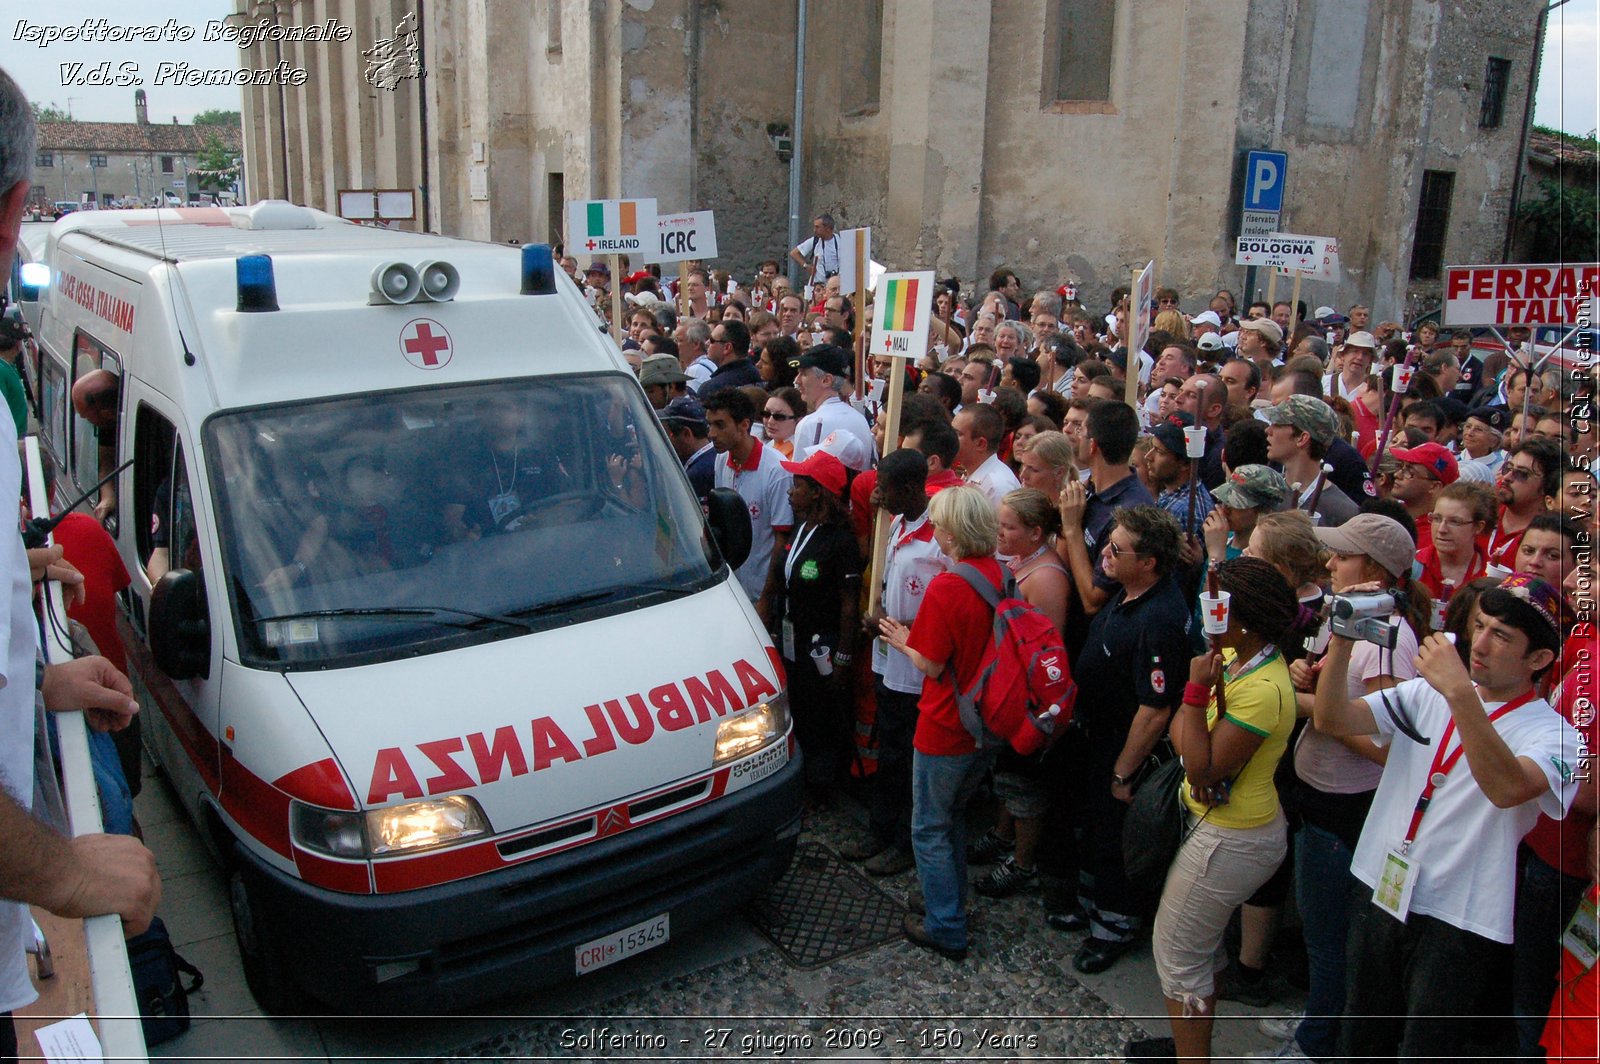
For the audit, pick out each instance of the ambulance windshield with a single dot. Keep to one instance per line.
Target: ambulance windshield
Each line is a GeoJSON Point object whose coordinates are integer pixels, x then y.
{"type": "Point", "coordinates": [398, 523]}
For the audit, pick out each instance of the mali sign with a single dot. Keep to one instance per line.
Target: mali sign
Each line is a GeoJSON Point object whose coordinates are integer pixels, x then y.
{"type": "Point", "coordinates": [611, 227]}
{"type": "Point", "coordinates": [900, 320]}
{"type": "Point", "coordinates": [685, 236]}
{"type": "Point", "coordinates": [1553, 294]}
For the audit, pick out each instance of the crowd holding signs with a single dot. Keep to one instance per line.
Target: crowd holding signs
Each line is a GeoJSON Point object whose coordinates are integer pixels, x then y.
{"type": "Point", "coordinates": [1324, 587]}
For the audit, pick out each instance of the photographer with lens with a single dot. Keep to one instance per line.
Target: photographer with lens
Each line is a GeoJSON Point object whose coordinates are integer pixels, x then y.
{"type": "Point", "coordinates": [1475, 755]}
{"type": "Point", "coordinates": [1336, 777]}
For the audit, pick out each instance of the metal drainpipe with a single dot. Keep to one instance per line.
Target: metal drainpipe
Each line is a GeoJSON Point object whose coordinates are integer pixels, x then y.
{"type": "Point", "coordinates": [1527, 126]}
{"type": "Point", "coordinates": [797, 134]}
{"type": "Point", "coordinates": [422, 110]}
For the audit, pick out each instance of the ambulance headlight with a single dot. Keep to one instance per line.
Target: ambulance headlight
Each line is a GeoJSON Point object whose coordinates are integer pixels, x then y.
{"type": "Point", "coordinates": [429, 822]}
{"type": "Point", "coordinates": [396, 829]}
{"type": "Point", "coordinates": [745, 733]}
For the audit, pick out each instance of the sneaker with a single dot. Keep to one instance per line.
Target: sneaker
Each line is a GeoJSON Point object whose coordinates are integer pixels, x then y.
{"type": "Point", "coordinates": [890, 862]}
{"type": "Point", "coordinates": [1007, 878]}
{"type": "Point", "coordinates": [918, 935]}
{"type": "Point", "coordinates": [1072, 921]}
{"type": "Point", "coordinates": [1290, 1050]}
{"type": "Point", "coordinates": [1098, 954]}
{"type": "Point", "coordinates": [1257, 993]}
{"type": "Point", "coordinates": [862, 849]}
{"type": "Point", "coordinates": [989, 848]}
{"type": "Point", "coordinates": [1281, 1027]}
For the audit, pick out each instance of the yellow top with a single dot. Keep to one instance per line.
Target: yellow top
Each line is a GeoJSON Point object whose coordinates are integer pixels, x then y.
{"type": "Point", "coordinates": [1261, 702]}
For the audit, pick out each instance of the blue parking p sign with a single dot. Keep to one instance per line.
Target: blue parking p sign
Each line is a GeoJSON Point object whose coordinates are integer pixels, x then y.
{"type": "Point", "coordinates": [1263, 180]}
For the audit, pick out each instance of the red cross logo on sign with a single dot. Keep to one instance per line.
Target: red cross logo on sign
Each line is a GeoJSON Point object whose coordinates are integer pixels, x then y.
{"type": "Point", "coordinates": [426, 344]}
{"type": "Point", "coordinates": [591, 245]}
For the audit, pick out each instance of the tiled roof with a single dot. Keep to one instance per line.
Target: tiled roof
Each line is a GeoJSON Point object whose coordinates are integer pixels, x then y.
{"type": "Point", "coordinates": [133, 137]}
{"type": "Point", "coordinates": [1550, 150]}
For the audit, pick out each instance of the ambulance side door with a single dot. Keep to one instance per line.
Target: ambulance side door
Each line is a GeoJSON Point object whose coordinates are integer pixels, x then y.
{"type": "Point", "coordinates": [166, 531]}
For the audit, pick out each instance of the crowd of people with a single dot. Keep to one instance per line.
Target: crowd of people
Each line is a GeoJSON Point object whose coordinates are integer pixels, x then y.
{"type": "Point", "coordinates": [1450, 526]}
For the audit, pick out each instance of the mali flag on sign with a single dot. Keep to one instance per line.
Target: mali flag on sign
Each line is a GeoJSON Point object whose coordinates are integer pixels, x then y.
{"type": "Point", "coordinates": [899, 306]}
{"type": "Point", "coordinates": [613, 218]}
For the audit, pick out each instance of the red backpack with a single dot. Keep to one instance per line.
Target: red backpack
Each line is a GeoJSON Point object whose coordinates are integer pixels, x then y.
{"type": "Point", "coordinates": [1023, 693]}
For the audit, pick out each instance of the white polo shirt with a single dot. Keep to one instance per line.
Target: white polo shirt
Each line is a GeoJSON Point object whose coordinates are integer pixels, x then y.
{"type": "Point", "coordinates": [834, 415]}
{"type": "Point", "coordinates": [16, 726]}
{"type": "Point", "coordinates": [1466, 848]}
{"type": "Point", "coordinates": [995, 479]}
{"type": "Point", "coordinates": [912, 562]}
{"type": "Point", "coordinates": [763, 484]}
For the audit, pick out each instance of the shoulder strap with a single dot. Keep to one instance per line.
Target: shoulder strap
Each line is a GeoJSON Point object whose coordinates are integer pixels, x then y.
{"type": "Point", "coordinates": [978, 582]}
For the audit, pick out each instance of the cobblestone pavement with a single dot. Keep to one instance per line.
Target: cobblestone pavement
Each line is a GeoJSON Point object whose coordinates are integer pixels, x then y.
{"type": "Point", "coordinates": [1015, 997]}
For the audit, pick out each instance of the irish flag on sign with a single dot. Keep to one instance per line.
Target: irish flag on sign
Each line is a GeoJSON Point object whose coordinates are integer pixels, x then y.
{"type": "Point", "coordinates": [613, 218]}
{"type": "Point", "coordinates": [900, 306]}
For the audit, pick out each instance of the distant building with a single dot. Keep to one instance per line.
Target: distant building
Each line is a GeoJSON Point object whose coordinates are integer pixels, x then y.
{"type": "Point", "coordinates": [111, 163]}
{"type": "Point", "coordinates": [1067, 139]}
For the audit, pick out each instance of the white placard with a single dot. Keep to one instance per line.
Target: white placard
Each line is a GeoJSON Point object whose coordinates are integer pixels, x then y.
{"type": "Point", "coordinates": [1522, 294]}
{"type": "Point", "coordinates": [900, 313]}
{"type": "Point", "coordinates": [71, 1039]}
{"type": "Point", "coordinates": [611, 227]}
{"type": "Point", "coordinates": [1144, 297]}
{"type": "Point", "coordinates": [685, 236]}
{"type": "Point", "coordinates": [847, 258]}
{"type": "Point", "coordinates": [1287, 251]}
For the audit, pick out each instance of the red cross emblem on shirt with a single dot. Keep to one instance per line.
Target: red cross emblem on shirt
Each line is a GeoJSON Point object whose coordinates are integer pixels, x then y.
{"type": "Point", "coordinates": [426, 344]}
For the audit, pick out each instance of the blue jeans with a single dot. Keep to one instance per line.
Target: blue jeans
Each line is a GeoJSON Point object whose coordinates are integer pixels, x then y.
{"type": "Point", "coordinates": [941, 787]}
{"type": "Point", "coordinates": [1322, 890]}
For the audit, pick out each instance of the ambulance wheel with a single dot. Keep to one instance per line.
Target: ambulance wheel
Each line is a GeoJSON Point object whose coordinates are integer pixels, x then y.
{"type": "Point", "coordinates": [259, 955]}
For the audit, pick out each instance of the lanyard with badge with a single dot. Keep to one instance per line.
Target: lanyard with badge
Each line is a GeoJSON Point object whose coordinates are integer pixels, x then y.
{"type": "Point", "coordinates": [802, 537]}
{"type": "Point", "coordinates": [1399, 876]}
{"type": "Point", "coordinates": [1582, 938]}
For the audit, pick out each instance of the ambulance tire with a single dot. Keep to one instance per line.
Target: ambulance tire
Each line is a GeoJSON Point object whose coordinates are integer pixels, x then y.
{"type": "Point", "coordinates": [259, 953]}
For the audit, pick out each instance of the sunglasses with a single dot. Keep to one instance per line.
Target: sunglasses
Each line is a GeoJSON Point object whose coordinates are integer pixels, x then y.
{"type": "Point", "coordinates": [773, 415]}
{"type": "Point", "coordinates": [1511, 472]}
{"type": "Point", "coordinates": [1117, 552]}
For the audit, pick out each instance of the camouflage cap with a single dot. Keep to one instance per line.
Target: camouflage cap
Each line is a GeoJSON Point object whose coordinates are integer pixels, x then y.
{"type": "Point", "coordinates": [1252, 487]}
{"type": "Point", "coordinates": [1306, 413]}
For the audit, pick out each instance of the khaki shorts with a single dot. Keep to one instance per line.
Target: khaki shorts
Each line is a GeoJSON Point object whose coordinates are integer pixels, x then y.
{"type": "Point", "coordinates": [1215, 871]}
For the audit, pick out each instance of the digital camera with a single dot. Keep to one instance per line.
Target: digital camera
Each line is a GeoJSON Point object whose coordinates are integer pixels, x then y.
{"type": "Point", "coordinates": [1368, 616]}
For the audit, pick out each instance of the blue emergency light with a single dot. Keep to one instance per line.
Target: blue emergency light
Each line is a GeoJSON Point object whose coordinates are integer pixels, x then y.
{"type": "Point", "coordinates": [258, 290]}
{"type": "Point", "coordinates": [538, 270]}
{"type": "Point", "coordinates": [35, 275]}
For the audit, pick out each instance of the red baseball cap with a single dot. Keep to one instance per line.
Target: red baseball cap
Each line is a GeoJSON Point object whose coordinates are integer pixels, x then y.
{"type": "Point", "coordinates": [823, 468]}
{"type": "Point", "coordinates": [1434, 456]}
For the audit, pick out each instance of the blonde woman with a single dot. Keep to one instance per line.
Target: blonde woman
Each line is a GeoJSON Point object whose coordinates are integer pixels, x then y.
{"type": "Point", "coordinates": [1047, 463]}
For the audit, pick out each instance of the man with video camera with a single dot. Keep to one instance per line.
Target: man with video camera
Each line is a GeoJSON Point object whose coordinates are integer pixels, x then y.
{"type": "Point", "coordinates": [1475, 757]}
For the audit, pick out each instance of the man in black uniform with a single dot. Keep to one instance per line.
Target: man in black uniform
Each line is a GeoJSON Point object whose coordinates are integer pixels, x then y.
{"type": "Point", "coordinates": [1130, 676]}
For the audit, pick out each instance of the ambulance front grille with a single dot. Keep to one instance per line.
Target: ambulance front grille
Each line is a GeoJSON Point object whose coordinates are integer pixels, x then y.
{"type": "Point", "coordinates": [576, 829]}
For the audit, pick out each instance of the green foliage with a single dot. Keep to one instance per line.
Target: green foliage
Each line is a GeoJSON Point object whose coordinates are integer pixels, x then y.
{"type": "Point", "coordinates": [216, 166]}
{"type": "Point", "coordinates": [49, 112]}
{"type": "Point", "coordinates": [1570, 138]}
{"type": "Point", "coordinates": [217, 118]}
{"type": "Point", "coordinates": [1561, 223]}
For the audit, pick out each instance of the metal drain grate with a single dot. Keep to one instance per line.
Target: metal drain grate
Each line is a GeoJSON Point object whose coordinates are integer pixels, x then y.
{"type": "Point", "coordinates": [824, 909]}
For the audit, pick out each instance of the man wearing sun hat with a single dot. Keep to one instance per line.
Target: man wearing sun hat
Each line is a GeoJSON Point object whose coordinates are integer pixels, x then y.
{"type": "Point", "coordinates": [1437, 856]}
{"type": "Point", "coordinates": [1300, 430]}
{"type": "Point", "coordinates": [1247, 493]}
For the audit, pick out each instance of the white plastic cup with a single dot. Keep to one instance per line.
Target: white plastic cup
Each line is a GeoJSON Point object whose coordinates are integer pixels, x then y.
{"type": "Point", "coordinates": [1194, 441]}
{"type": "Point", "coordinates": [1402, 378]}
{"type": "Point", "coordinates": [1214, 610]}
{"type": "Point", "coordinates": [985, 395]}
{"type": "Point", "coordinates": [822, 658]}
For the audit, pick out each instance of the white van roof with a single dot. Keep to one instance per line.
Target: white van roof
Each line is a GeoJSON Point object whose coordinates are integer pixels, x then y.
{"type": "Point", "coordinates": [329, 336]}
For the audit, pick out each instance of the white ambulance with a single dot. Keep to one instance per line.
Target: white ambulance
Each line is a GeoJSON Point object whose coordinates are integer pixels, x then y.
{"type": "Point", "coordinates": [429, 632]}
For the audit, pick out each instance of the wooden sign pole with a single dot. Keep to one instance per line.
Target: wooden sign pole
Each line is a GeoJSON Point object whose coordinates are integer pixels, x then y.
{"type": "Point", "coordinates": [616, 300]}
{"type": "Point", "coordinates": [1294, 305]}
{"type": "Point", "coordinates": [861, 321]}
{"type": "Point", "coordinates": [891, 439]}
{"type": "Point", "coordinates": [683, 288]}
{"type": "Point", "coordinates": [1272, 289]}
{"type": "Point", "coordinates": [1131, 385]}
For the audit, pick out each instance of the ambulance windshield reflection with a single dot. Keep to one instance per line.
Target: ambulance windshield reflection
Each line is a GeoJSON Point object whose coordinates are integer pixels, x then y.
{"type": "Point", "coordinates": [368, 527]}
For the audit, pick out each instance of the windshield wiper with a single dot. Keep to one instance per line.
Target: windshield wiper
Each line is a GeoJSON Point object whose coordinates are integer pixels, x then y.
{"type": "Point", "coordinates": [397, 612]}
{"type": "Point", "coordinates": [570, 600]}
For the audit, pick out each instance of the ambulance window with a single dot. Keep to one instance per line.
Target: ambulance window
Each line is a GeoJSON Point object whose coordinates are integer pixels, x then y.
{"type": "Point", "coordinates": [53, 394]}
{"type": "Point", "coordinates": [96, 398]}
{"type": "Point", "coordinates": [154, 440]}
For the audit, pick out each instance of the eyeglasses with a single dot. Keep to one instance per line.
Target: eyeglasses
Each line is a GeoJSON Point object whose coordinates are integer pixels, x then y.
{"type": "Point", "coordinates": [1511, 472]}
{"type": "Point", "coordinates": [714, 340]}
{"type": "Point", "coordinates": [1451, 522]}
{"type": "Point", "coordinates": [1411, 471]}
{"type": "Point", "coordinates": [1117, 552]}
{"type": "Point", "coordinates": [773, 415]}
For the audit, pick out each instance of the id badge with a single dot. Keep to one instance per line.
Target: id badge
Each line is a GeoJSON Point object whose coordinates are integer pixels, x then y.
{"type": "Point", "coordinates": [1582, 936]}
{"type": "Point", "coordinates": [880, 656]}
{"type": "Point", "coordinates": [787, 639]}
{"type": "Point", "coordinates": [503, 506]}
{"type": "Point", "coordinates": [1395, 884]}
